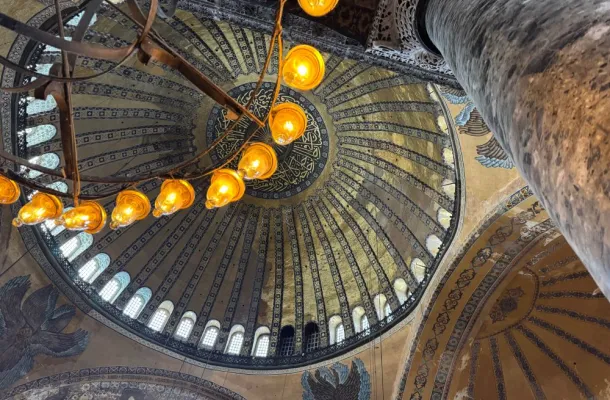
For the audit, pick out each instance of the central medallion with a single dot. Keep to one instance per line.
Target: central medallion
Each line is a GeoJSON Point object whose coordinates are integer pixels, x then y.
{"type": "Point", "coordinates": [299, 164]}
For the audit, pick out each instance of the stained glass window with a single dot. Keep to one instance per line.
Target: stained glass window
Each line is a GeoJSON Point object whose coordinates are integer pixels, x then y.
{"type": "Point", "coordinates": [186, 325]}
{"type": "Point", "coordinates": [49, 160]}
{"type": "Point", "coordinates": [76, 245]}
{"type": "Point", "coordinates": [209, 337]}
{"type": "Point", "coordinates": [137, 302]}
{"type": "Point", "coordinates": [161, 316]}
{"type": "Point", "coordinates": [340, 333]}
{"type": "Point", "coordinates": [262, 346]}
{"type": "Point", "coordinates": [39, 134]}
{"type": "Point", "coordinates": [235, 343]}
{"type": "Point", "coordinates": [94, 267]}
{"type": "Point", "coordinates": [36, 106]}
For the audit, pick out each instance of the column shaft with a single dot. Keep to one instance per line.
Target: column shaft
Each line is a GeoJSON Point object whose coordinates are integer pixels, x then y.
{"type": "Point", "coordinates": [539, 73]}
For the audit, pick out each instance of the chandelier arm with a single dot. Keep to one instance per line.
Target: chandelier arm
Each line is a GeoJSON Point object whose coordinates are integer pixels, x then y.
{"type": "Point", "coordinates": [12, 175]}
{"type": "Point", "coordinates": [63, 99]}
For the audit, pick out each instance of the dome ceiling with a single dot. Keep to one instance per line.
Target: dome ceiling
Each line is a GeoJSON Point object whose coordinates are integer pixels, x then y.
{"type": "Point", "coordinates": [354, 217]}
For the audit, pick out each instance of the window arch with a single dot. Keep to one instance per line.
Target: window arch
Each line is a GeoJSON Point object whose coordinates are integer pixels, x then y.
{"type": "Point", "coordinates": [444, 217]}
{"type": "Point", "coordinates": [94, 267]}
{"type": "Point", "coordinates": [36, 106]}
{"type": "Point", "coordinates": [161, 316]}
{"type": "Point", "coordinates": [48, 160]}
{"type": "Point", "coordinates": [38, 134]}
{"type": "Point", "coordinates": [433, 244]}
{"type": "Point", "coordinates": [186, 325]}
{"type": "Point", "coordinates": [448, 188]}
{"type": "Point", "coordinates": [358, 314]}
{"type": "Point", "coordinates": [380, 301]}
{"type": "Point", "coordinates": [76, 245]}
{"type": "Point", "coordinates": [312, 336]}
{"type": "Point", "coordinates": [401, 289]}
{"type": "Point", "coordinates": [261, 342]}
{"type": "Point", "coordinates": [335, 327]}
{"type": "Point", "coordinates": [115, 287]}
{"type": "Point", "coordinates": [138, 301]}
{"type": "Point", "coordinates": [418, 268]}
{"type": "Point", "coordinates": [210, 335]}
{"type": "Point", "coordinates": [448, 156]}
{"type": "Point", "coordinates": [236, 340]}
{"type": "Point", "coordinates": [286, 347]}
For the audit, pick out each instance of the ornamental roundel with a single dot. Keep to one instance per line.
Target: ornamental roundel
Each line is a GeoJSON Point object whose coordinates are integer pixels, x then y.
{"type": "Point", "coordinates": [299, 164]}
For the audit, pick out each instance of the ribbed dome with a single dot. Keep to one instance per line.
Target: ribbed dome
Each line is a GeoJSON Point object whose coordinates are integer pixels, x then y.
{"type": "Point", "coordinates": [350, 225]}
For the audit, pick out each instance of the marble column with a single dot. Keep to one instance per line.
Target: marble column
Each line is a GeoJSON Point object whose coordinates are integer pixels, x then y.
{"type": "Point", "coordinates": [539, 72]}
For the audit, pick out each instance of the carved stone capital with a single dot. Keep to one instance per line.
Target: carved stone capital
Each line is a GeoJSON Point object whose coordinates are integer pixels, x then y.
{"type": "Point", "coordinates": [393, 35]}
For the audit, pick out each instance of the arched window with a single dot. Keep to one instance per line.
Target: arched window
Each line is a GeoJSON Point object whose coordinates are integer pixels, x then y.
{"type": "Point", "coordinates": [236, 340]}
{"type": "Point", "coordinates": [36, 106]}
{"type": "Point", "coordinates": [94, 267]}
{"type": "Point", "coordinates": [261, 342]}
{"type": "Point", "coordinates": [364, 324]}
{"type": "Point", "coordinates": [286, 347]}
{"type": "Point", "coordinates": [38, 134]}
{"type": "Point", "coordinates": [443, 217]}
{"type": "Point", "coordinates": [76, 245]}
{"type": "Point", "coordinates": [44, 68]}
{"type": "Point", "coordinates": [380, 301]}
{"type": "Point", "coordinates": [161, 316]}
{"type": "Point", "coordinates": [333, 324]}
{"type": "Point", "coordinates": [401, 289]}
{"type": "Point", "coordinates": [59, 186]}
{"type": "Point", "coordinates": [53, 228]}
{"type": "Point", "coordinates": [433, 244]}
{"type": "Point", "coordinates": [442, 124]}
{"type": "Point", "coordinates": [210, 334]}
{"type": "Point", "coordinates": [115, 286]}
{"type": "Point", "coordinates": [312, 336]}
{"type": "Point", "coordinates": [419, 269]}
{"type": "Point", "coordinates": [448, 188]}
{"type": "Point", "coordinates": [340, 333]}
{"type": "Point", "coordinates": [48, 160]}
{"type": "Point", "coordinates": [387, 311]}
{"type": "Point", "coordinates": [448, 156]}
{"type": "Point", "coordinates": [185, 326]}
{"type": "Point", "coordinates": [138, 301]}
{"type": "Point", "coordinates": [357, 314]}
{"type": "Point", "coordinates": [76, 19]}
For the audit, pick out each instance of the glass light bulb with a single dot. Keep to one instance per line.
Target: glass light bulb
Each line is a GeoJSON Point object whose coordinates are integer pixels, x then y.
{"type": "Point", "coordinates": [303, 67]}
{"type": "Point", "coordinates": [226, 186]}
{"type": "Point", "coordinates": [88, 216]}
{"type": "Point", "coordinates": [318, 8]}
{"type": "Point", "coordinates": [9, 191]}
{"type": "Point", "coordinates": [175, 195]}
{"type": "Point", "coordinates": [258, 161]}
{"type": "Point", "coordinates": [287, 122]}
{"type": "Point", "coordinates": [131, 206]}
{"type": "Point", "coordinates": [42, 207]}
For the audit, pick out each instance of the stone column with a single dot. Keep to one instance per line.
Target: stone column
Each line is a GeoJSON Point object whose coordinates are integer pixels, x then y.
{"type": "Point", "coordinates": [539, 72]}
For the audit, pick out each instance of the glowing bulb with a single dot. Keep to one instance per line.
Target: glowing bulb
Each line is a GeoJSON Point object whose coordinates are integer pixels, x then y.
{"type": "Point", "coordinates": [88, 216]}
{"type": "Point", "coordinates": [175, 195]}
{"type": "Point", "coordinates": [303, 68]}
{"type": "Point", "coordinates": [42, 207]}
{"type": "Point", "coordinates": [258, 161]}
{"type": "Point", "coordinates": [287, 122]}
{"type": "Point", "coordinates": [9, 191]}
{"type": "Point", "coordinates": [131, 206]}
{"type": "Point", "coordinates": [318, 8]}
{"type": "Point", "coordinates": [226, 186]}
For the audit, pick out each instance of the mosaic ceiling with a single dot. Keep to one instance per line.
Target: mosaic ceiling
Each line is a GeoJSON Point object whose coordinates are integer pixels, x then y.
{"type": "Point", "coordinates": [356, 218]}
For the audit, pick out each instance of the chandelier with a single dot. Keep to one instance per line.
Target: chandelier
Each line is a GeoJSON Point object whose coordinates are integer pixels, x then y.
{"type": "Point", "coordinates": [302, 68]}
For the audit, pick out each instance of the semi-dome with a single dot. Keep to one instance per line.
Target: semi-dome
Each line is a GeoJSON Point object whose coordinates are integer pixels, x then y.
{"type": "Point", "coordinates": [335, 248]}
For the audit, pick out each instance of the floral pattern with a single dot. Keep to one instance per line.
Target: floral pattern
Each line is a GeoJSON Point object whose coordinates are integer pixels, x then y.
{"type": "Point", "coordinates": [32, 327]}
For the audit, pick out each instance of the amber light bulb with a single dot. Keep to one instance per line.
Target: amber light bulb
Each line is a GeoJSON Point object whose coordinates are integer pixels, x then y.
{"type": "Point", "coordinates": [176, 194]}
{"type": "Point", "coordinates": [9, 191]}
{"type": "Point", "coordinates": [318, 8]}
{"type": "Point", "coordinates": [287, 122]}
{"type": "Point", "coordinates": [227, 186]}
{"type": "Point", "coordinates": [303, 67]}
{"type": "Point", "coordinates": [42, 207]}
{"type": "Point", "coordinates": [88, 216]}
{"type": "Point", "coordinates": [258, 161]}
{"type": "Point", "coordinates": [131, 206]}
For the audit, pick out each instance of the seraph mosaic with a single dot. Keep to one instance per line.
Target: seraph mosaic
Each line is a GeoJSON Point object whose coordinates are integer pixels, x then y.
{"type": "Point", "coordinates": [470, 122]}
{"type": "Point", "coordinates": [32, 327]}
{"type": "Point", "coordinates": [337, 382]}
